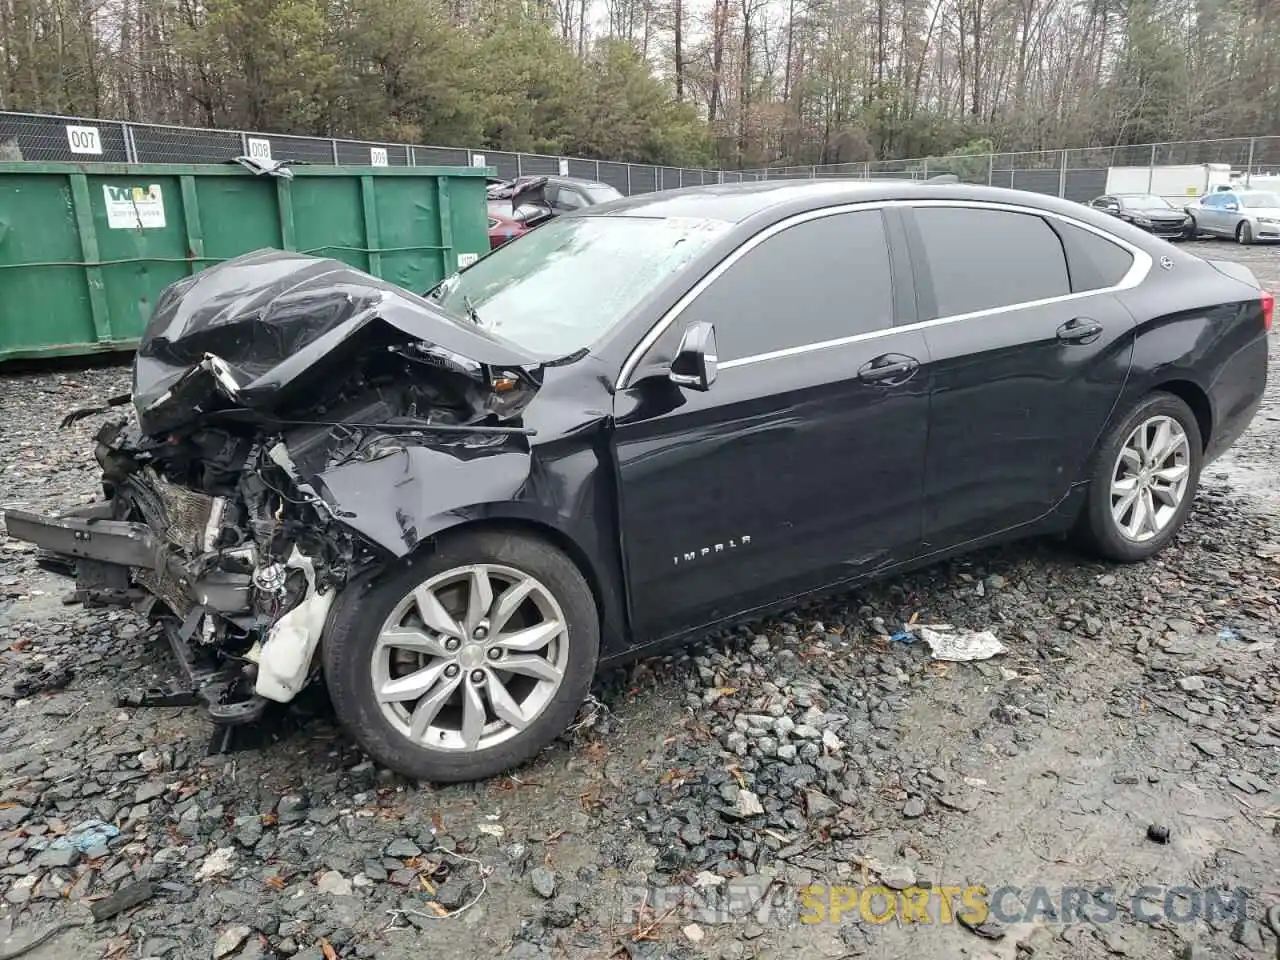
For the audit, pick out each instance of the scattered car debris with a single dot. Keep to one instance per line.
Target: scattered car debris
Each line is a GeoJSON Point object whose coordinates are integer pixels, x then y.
{"type": "Point", "coordinates": [948, 643]}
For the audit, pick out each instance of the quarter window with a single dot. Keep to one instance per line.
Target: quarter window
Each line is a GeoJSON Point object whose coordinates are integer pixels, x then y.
{"type": "Point", "coordinates": [1094, 262]}
{"type": "Point", "coordinates": [983, 259]}
{"type": "Point", "coordinates": [816, 281]}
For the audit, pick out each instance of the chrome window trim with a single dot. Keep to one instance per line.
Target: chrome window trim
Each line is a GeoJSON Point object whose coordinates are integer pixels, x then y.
{"type": "Point", "coordinates": [1141, 266]}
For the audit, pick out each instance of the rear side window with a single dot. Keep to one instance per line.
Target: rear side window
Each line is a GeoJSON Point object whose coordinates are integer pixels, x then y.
{"type": "Point", "coordinates": [819, 280]}
{"type": "Point", "coordinates": [1093, 262]}
{"type": "Point", "coordinates": [983, 259]}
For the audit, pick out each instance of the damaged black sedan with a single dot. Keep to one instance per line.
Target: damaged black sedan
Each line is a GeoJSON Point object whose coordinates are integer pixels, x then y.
{"type": "Point", "coordinates": [658, 416]}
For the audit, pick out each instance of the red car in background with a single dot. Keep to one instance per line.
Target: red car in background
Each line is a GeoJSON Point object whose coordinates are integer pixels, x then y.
{"type": "Point", "coordinates": [517, 206]}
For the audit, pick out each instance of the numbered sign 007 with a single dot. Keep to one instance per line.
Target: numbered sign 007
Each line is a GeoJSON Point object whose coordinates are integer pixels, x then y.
{"type": "Point", "coordinates": [84, 140]}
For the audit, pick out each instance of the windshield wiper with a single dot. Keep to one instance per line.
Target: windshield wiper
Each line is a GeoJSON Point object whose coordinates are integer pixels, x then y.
{"type": "Point", "coordinates": [472, 314]}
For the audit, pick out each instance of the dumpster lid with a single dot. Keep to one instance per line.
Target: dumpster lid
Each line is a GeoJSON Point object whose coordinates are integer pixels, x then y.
{"type": "Point", "coordinates": [273, 318]}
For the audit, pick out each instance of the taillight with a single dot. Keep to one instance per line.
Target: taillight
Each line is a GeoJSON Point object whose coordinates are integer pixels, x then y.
{"type": "Point", "coordinates": [1268, 309]}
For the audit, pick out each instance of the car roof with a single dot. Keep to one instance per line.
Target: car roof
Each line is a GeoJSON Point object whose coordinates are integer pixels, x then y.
{"type": "Point", "coordinates": [580, 182]}
{"type": "Point", "coordinates": [777, 199]}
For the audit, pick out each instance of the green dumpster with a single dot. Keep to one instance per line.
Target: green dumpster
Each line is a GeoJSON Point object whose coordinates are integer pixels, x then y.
{"type": "Point", "coordinates": [85, 249]}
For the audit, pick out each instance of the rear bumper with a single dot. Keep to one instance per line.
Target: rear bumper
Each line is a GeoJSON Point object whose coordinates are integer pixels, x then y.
{"type": "Point", "coordinates": [1237, 394]}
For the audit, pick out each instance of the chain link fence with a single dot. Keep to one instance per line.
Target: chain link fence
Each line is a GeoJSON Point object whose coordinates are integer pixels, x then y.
{"type": "Point", "coordinates": [36, 137]}
{"type": "Point", "coordinates": [1074, 174]}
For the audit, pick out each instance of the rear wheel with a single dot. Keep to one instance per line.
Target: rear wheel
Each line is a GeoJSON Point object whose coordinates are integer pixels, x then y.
{"type": "Point", "coordinates": [1144, 480]}
{"type": "Point", "coordinates": [1244, 233]}
{"type": "Point", "coordinates": [466, 661]}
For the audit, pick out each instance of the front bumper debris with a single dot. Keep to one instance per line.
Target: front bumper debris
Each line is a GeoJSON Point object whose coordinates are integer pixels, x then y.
{"type": "Point", "coordinates": [118, 562]}
{"type": "Point", "coordinates": [105, 541]}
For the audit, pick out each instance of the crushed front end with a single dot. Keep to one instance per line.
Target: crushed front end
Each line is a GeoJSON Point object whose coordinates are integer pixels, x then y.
{"type": "Point", "coordinates": [231, 560]}
{"type": "Point", "coordinates": [255, 380]}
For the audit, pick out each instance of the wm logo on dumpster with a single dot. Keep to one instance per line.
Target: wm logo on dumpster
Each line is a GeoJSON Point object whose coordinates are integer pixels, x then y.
{"type": "Point", "coordinates": [134, 208]}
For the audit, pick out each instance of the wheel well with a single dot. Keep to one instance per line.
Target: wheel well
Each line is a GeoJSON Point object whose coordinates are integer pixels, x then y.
{"type": "Point", "coordinates": [1197, 400]}
{"type": "Point", "coordinates": [533, 528]}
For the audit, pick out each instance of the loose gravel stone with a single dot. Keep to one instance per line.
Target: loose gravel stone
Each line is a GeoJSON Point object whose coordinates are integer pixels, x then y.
{"type": "Point", "coordinates": [229, 941]}
{"type": "Point", "coordinates": [543, 882]}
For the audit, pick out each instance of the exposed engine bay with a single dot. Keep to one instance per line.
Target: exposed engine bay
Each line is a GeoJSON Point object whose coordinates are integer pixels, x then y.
{"type": "Point", "coordinates": [255, 382]}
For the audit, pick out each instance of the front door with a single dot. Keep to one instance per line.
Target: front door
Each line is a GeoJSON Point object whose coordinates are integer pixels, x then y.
{"type": "Point", "coordinates": [802, 465]}
{"type": "Point", "coordinates": [1028, 364]}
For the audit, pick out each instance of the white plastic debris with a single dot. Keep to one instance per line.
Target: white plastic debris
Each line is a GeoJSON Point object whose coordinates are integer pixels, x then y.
{"type": "Point", "coordinates": [947, 643]}
{"type": "Point", "coordinates": [284, 661]}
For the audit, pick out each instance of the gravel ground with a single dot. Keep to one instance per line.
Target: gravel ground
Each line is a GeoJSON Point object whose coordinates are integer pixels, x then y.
{"type": "Point", "coordinates": [702, 795]}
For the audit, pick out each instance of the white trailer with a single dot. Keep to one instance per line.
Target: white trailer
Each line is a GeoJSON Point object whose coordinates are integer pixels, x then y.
{"type": "Point", "coordinates": [1175, 182]}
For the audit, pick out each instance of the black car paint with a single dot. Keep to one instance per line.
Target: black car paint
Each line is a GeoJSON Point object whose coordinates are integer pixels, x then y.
{"type": "Point", "coordinates": [632, 482]}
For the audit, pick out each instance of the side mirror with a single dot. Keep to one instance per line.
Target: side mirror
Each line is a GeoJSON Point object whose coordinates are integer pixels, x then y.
{"type": "Point", "coordinates": [695, 363]}
{"type": "Point", "coordinates": [1231, 205]}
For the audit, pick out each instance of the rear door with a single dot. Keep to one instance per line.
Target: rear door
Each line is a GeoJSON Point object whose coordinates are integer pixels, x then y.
{"type": "Point", "coordinates": [802, 465]}
{"type": "Point", "coordinates": [1029, 350]}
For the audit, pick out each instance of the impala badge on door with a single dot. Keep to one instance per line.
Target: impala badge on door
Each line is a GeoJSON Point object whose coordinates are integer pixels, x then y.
{"type": "Point", "coordinates": [711, 550]}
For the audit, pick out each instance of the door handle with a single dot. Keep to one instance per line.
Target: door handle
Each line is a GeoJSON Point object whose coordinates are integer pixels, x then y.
{"type": "Point", "coordinates": [889, 369]}
{"type": "Point", "coordinates": [1080, 330]}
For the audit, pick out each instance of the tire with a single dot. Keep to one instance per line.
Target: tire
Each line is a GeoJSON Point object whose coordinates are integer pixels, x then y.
{"type": "Point", "coordinates": [1098, 530]}
{"type": "Point", "coordinates": [354, 658]}
{"type": "Point", "coordinates": [1244, 233]}
{"type": "Point", "coordinates": [1192, 231]}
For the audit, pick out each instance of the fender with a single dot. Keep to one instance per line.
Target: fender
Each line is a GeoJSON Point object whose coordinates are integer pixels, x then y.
{"type": "Point", "coordinates": [399, 501]}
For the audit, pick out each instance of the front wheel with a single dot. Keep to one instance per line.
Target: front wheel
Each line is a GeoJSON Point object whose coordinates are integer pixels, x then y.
{"type": "Point", "coordinates": [465, 661]}
{"type": "Point", "coordinates": [1144, 480]}
{"type": "Point", "coordinates": [1244, 233]}
{"type": "Point", "coordinates": [1191, 231]}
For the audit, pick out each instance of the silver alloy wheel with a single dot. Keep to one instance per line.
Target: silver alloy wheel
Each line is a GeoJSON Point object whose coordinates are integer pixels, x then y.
{"type": "Point", "coordinates": [470, 658]}
{"type": "Point", "coordinates": [1150, 478]}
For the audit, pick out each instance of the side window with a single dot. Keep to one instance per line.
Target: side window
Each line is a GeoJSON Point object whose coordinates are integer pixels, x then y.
{"type": "Point", "coordinates": [818, 280]}
{"type": "Point", "coordinates": [983, 259]}
{"type": "Point", "coordinates": [1094, 263]}
{"type": "Point", "coordinates": [1212, 200]}
{"type": "Point", "coordinates": [570, 200]}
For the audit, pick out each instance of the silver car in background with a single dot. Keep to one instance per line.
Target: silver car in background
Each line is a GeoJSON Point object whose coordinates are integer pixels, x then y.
{"type": "Point", "coordinates": [1242, 215]}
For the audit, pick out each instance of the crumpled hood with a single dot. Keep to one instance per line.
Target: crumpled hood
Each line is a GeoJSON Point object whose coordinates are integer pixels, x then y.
{"type": "Point", "coordinates": [275, 321]}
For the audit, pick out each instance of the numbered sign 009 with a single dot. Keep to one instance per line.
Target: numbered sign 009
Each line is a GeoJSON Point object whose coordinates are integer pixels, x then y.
{"type": "Point", "coordinates": [84, 140]}
{"type": "Point", "coordinates": [378, 156]}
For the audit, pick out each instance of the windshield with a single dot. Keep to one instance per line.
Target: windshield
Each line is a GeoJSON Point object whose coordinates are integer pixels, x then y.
{"type": "Point", "coordinates": [1259, 200]}
{"type": "Point", "coordinates": [602, 193]}
{"type": "Point", "coordinates": [1147, 203]}
{"type": "Point", "coordinates": [562, 286]}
